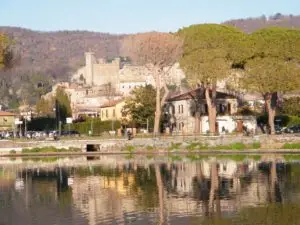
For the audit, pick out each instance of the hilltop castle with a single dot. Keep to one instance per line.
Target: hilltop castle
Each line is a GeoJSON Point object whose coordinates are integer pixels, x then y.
{"type": "Point", "coordinates": [121, 75]}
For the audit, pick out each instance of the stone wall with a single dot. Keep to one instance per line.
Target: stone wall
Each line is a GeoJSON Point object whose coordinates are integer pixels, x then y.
{"type": "Point", "coordinates": [98, 72]}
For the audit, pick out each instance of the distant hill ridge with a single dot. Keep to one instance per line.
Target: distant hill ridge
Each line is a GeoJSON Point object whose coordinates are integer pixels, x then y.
{"type": "Point", "coordinates": [58, 54]}
{"type": "Point", "coordinates": [250, 25]}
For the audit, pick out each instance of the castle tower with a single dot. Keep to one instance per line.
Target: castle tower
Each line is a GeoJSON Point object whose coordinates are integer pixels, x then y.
{"type": "Point", "coordinates": [89, 67]}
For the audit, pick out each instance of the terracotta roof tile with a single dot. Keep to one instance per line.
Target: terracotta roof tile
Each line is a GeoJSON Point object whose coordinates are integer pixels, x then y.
{"type": "Point", "coordinates": [111, 103]}
{"type": "Point", "coordinates": [2, 113]}
{"type": "Point", "coordinates": [193, 93]}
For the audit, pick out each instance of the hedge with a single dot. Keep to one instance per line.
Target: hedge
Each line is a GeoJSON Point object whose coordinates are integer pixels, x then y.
{"type": "Point", "coordinates": [98, 126]}
{"type": "Point", "coordinates": [282, 120]}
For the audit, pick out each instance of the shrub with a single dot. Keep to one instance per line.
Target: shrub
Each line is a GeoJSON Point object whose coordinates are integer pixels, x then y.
{"type": "Point", "coordinates": [149, 148]}
{"type": "Point", "coordinates": [98, 126]}
{"type": "Point", "coordinates": [256, 145]}
{"type": "Point", "coordinates": [42, 124]}
{"type": "Point", "coordinates": [293, 120]}
{"type": "Point", "coordinates": [129, 148]}
{"type": "Point", "coordinates": [12, 152]}
{"type": "Point", "coordinates": [291, 146]}
{"type": "Point", "coordinates": [233, 146]}
{"type": "Point", "coordinates": [192, 146]}
{"type": "Point", "coordinates": [175, 146]}
{"type": "Point", "coordinates": [50, 149]}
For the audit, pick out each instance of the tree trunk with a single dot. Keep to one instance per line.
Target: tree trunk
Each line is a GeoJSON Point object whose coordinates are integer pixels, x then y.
{"type": "Point", "coordinates": [212, 111]}
{"type": "Point", "coordinates": [160, 188]}
{"type": "Point", "coordinates": [197, 123]}
{"type": "Point", "coordinates": [271, 102]}
{"type": "Point", "coordinates": [160, 102]}
{"type": "Point", "coordinates": [157, 108]}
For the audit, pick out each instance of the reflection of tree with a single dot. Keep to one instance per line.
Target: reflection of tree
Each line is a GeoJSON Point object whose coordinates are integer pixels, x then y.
{"type": "Point", "coordinates": [160, 193]}
{"type": "Point", "coordinates": [275, 194]}
{"type": "Point", "coordinates": [214, 187]}
{"type": "Point", "coordinates": [145, 187]}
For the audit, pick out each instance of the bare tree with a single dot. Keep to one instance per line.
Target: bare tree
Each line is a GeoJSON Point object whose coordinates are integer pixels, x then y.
{"type": "Point", "coordinates": [156, 51]}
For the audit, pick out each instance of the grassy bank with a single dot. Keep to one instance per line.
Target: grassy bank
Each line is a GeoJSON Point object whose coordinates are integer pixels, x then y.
{"type": "Point", "coordinates": [197, 146]}
{"type": "Point", "coordinates": [50, 150]}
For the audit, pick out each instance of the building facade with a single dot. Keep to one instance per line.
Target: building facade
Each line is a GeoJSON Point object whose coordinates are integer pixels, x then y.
{"type": "Point", "coordinates": [112, 110]}
{"type": "Point", "coordinates": [181, 113]}
{"type": "Point", "coordinates": [7, 121]}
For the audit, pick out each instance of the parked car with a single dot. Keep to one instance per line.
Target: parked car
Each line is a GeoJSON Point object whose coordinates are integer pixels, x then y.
{"type": "Point", "coordinates": [292, 129]}
{"type": "Point", "coordinates": [70, 133]}
{"type": "Point", "coordinates": [278, 129]}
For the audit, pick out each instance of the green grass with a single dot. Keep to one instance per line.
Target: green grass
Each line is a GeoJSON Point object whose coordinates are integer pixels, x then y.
{"type": "Point", "coordinates": [256, 145]}
{"type": "Point", "coordinates": [291, 146]}
{"type": "Point", "coordinates": [129, 148]}
{"type": "Point", "coordinates": [192, 146]}
{"type": "Point", "coordinates": [149, 148]}
{"type": "Point", "coordinates": [175, 146]}
{"type": "Point", "coordinates": [233, 146]}
{"type": "Point", "coordinates": [50, 149]}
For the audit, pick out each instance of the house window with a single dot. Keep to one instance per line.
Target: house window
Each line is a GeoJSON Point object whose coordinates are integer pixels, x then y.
{"type": "Point", "coordinates": [181, 108]}
{"type": "Point", "coordinates": [106, 113]}
{"type": "Point", "coordinates": [173, 110]}
{"type": "Point", "coordinates": [205, 109]}
{"type": "Point", "coordinates": [229, 108]}
{"type": "Point", "coordinates": [178, 109]}
{"type": "Point", "coordinates": [102, 114]}
{"type": "Point", "coordinates": [114, 112]}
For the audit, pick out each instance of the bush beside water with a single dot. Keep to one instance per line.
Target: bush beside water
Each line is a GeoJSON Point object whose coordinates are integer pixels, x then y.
{"type": "Point", "coordinates": [291, 146]}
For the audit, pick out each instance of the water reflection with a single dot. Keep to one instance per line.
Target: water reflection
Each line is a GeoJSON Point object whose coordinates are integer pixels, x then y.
{"type": "Point", "coordinates": [146, 190]}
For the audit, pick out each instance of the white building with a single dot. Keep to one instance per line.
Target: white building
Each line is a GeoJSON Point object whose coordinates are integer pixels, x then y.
{"type": "Point", "coordinates": [182, 108]}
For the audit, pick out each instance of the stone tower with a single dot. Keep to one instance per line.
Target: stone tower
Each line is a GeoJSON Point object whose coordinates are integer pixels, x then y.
{"type": "Point", "coordinates": [89, 67]}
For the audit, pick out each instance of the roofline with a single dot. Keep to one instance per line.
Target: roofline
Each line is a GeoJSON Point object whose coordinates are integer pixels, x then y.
{"type": "Point", "coordinates": [179, 95]}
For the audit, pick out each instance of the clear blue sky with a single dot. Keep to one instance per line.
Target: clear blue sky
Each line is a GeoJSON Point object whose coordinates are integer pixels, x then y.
{"type": "Point", "coordinates": [130, 16]}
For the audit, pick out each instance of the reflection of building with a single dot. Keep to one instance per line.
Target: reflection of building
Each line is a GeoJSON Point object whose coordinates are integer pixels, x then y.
{"type": "Point", "coordinates": [97, 197]}
{"type": "Point", "coordinates": [113, 189]}
{"type": "Point", "coordinates": [193, 180]}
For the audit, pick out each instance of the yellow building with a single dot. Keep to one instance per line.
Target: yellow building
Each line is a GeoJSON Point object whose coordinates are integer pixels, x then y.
{"type": "Point", "coordinates": [7, 121]}
{"type": "Point", "coordinates": [112, 110]}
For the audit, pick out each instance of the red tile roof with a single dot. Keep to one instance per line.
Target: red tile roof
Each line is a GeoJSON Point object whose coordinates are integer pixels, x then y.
{"type": "Point", "coordinates": [200, 94]}
{"type": "Point", "coordinates": [111, 103]}
{"type": "Point", "coordinates": [2, 113]}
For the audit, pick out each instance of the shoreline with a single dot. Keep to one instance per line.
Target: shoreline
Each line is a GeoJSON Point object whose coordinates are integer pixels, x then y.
{"type": "Point", "coordinates": [162, 152]}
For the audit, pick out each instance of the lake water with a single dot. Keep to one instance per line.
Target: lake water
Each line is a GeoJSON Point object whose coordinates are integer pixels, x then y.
{"type": "Point", "coordinates": [142, 190]}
